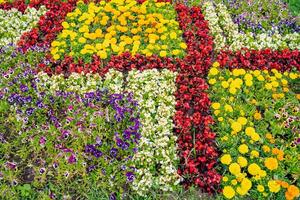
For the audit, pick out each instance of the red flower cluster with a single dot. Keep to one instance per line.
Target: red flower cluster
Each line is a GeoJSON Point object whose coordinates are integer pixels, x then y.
{"type": "Point", "coordinates": [20, 5]}
{"type": "Point", "coordinates": [196, 142]}
{"type": "Point", "coordinates": [124, 63]}
{"type": "Point", "coordinates": [49, 25]}
{"type": "Point", "coordinates": [260, 59]}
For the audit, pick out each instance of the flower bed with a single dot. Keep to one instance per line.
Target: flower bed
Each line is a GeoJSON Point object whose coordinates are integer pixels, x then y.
{"type": "Point", "coordinates": [144, 99]}
{"type": "Point", "coordinates": [256, 114]}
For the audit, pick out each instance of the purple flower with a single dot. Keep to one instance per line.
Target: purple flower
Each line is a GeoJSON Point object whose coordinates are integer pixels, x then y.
{"type": "Point", "coordinates": [98, 153]}
{"type": "Point", "coordinates": [23, 88]}
{"type": "Point", "coordinates": [42, 170]}
{"type": "Point", "coordinates": [72, 159]}
{"type": "Point", "coordinates": [39, 104]}
{"type": "Point", "coordinates": [89, 148]}
{"type": "Point", "coordinates": [113, 152]}
{"type": "Point", "coordinates": [130, 176]}
{"type": "Point", "coordinates": [123, 167]}
{"type": "Point", "coordinates": [119, 142]}
{"type": "Point", "coordinates": [125, 146]}
{"type": "Point", "coordinates": [55, 165]}
{"type": "Point", "coordinates": [29, 111]}
{"type": "Point", "coordinates": [42, 141]}
{"type": "Point", "coordinates": [91, 168]}
{"type": "Point", "coordinates": [98, 141]}
{"type": "Point", "coordinates": [11, 165]}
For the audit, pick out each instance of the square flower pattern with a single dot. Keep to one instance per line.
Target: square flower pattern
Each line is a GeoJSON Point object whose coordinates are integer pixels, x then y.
{"type": "Point", "coordinates": [133, 99]}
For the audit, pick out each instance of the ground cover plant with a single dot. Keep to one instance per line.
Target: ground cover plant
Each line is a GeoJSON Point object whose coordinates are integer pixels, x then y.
{"type": "Point", "coordinates": [149, 99]}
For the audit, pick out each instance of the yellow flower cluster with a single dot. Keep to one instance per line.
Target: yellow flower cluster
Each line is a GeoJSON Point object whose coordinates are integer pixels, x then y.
{"type": "Point", "coordinates": [244, 103]}
{"type": "Point", "coordinates": [117, 26]}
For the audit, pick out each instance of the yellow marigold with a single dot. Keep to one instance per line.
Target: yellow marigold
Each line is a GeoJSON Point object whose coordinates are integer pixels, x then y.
{"type": "Point", "coordinates": [248, 77]}
{"type": "Point", "coordinates": [266, 149]}
{"type": "Point", "coordinates": [268, 86]}
{"type": "Point", "coordinates": [217, 112]}
{"type": "Point", "coordinates": [293, 75]}
{"type": "Point", "coordinates": [246, 184]}
{"type": "Point", "coordinates": [236, 126]}
{"type": "Point", "coordinates": [271, 163]}
{"type": "Point", "coordinates": [56, 57]}
{"type": "Point", "coordinates": [269, 136]}
{"type": "Point", "coordinates": [255, 137]}
{"type": "Point", "coordinates": [235, 72]}
{"type": "Point", "coordinates": [234, 168]}
{"type": "Point", "coordinates": [253, 169]}
{"type": "Point", "coordinates": [248, 83]}
{"type": "Point", "coordinates": [228, 108]}
{"type": "Point", "coordinates": [232, 90]}
{"type": "Point", "coordinates": [212, 81]}
{"type": "Point", "coordinates": [175, 52]}
{"type": "Point", "coordinates": [242, 161]}
{"type": "Point", "coordinates": [183, 45]}
{"type": "Point", "coordinates": [225, 84]}
{"type": "Point", "coordinates": [273, 186]}
{"type": "Point", "coordinates": [241, 191]}
{"type": "Point", "coordinates": [240, 176]}
{"type": "Point", "coordinates": [275, 84]}
{"type": "Point", "coordinates": [260, 78]}
{"type": "Point", "coordinates": [82, 40]}
{"type": "Point", "coordinates": [256, 72]}
{"type": "Point", "coordinates": [242, 120]}
{"type": "Point", "coordinates": [226, 159]}
{"type": "Point", "coordinates": [257, 116]}
{"type": "Point", "coordinates": [284, 81]}
{"type": "Point", "coordinates": [216, 105]}
{"type": "Point", "coordinates": [220, 119]}
{"type": "Point", "coordinates": [233, 182]}
{"type": "Point", "coordinates": [213, 71]}
{"type": "Point", "coordinates": [249, 131]}
{"type": "Point", "coordinates": [263, 173]}
{"type": "Point", "coordinates": [216, 64]}
{"type": "Point", "coordinates": [254, 153]}
{"type": "Point", "coordinates": [225, 178]}
{"type": "Point", "coordinates": [243, 149]}
{"type": "Point", "coordinates": [228, 192]}
{"type": "Point", "coordinates": [173, 35]}
{"type": "Point", "coordinates": [260, 188]}
{"type": "Point", "coordinates": [163, 53]}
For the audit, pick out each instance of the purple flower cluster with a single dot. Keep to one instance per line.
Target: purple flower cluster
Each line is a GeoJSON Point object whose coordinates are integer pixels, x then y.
{"type": "Point", "coordinates": [260, 16]}
{"type": "Point", "coordinates": [66, 133]}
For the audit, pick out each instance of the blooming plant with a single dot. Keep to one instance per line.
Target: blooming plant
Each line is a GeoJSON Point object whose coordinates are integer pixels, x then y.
{"type": "Point", "coordinates": [123, 99]}
{"type": "Point", "coordinates": [66, 137]}
{"type": "Point", "coordinates": [229, 37]}
{"type": "Point", "coordinates": [13, 23]}
{"type": "Point", "coordinates": [117, 26]}
{"type": "Point", "coordinates": [262, 16]}
{"type": "Point", "coordinates": [254, 137]}
{"type": "Point", "coordinates": [158, 171]}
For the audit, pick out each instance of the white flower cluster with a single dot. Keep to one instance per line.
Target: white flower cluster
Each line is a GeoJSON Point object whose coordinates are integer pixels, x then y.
{"type": "Point", "coordinates": [227, 36]}
{"type": "Point", "coordinates": [13, 23]}
{"type": "Point", "coordinates": [80, 83]}
{"type": "Point", "coordinates": [156, 159]}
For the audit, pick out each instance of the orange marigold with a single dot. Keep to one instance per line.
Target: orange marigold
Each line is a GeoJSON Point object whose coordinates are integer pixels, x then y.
{"type": "Point", "coordinates": [292, 192]}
